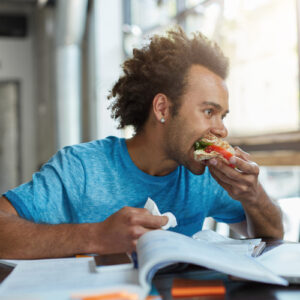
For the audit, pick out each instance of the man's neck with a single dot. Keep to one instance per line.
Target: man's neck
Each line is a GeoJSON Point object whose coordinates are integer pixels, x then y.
{"type": "Point", "coordinates": [148, 155]}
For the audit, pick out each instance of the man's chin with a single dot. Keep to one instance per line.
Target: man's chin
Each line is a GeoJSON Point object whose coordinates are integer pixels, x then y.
{"type": "Point", "coordinates": [197, 169]}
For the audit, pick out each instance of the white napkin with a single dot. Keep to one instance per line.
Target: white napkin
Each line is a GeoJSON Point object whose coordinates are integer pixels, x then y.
{"type": "Point", "coordinates": [151, 206]}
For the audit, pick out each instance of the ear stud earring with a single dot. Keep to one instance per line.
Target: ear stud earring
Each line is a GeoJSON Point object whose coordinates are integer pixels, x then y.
{"type": "Point", "coordinates": [162, 120]}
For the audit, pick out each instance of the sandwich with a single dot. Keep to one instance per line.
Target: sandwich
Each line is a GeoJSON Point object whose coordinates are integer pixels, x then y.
{"type": "Point", "coordinates": [211, 146]}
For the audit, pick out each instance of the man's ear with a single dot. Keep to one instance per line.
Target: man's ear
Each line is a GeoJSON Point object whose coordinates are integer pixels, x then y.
{"type": "Point", "coordinates": [161, 107]}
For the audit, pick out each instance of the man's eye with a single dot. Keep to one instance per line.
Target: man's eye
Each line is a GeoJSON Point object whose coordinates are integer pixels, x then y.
{"type": "Point", "coordinates": [208, 112]}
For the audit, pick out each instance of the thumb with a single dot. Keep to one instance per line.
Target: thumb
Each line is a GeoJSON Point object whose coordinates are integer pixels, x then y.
{"type": "Point", "coordinates": [165, 220]}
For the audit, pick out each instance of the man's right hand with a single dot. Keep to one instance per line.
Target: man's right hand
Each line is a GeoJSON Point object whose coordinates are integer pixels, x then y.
{"type": "Point", "coordinates": [120, 231]}
{"type": "Point", "coordinates": [22, 239]}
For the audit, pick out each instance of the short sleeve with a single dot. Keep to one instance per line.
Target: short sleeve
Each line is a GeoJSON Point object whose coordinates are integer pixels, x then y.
{"type": "Point", "coordinates": [53, 195]}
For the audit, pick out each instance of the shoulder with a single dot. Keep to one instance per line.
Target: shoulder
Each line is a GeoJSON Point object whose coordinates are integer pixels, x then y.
{"type": "Point", "coordinates": [91, 148]}
{"type": "Point", "coordinates": [86, 153]}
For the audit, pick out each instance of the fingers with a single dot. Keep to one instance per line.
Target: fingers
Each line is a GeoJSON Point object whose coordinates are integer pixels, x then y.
{"type": "Point", "coordinates": [240, 183]}
{"type": "Point", "coordinates": [222, 183]}
{"type": "Point", "coordinates": [150, 221]}
{"type": "Point", "coordinates": [241, 161]}
{"type": "Point", "coordinates": [142, 217]}
{"type": "Point", "coordinates": [140, 221]}
{"type": "Point", "coordinates": [121, 230]}
{"type": "Point", "coordinates": [245, 166]}
{"type": "Point", "coordinates": [165, 220]}
{"type": "Point", "coordinates": [234, 177]}
{"type": "Point", "coordinates": [227, 178]}
{"type": "Point", "coordinates": [241, 153]}
{"type": "Point", "coordinates": [243, 176]}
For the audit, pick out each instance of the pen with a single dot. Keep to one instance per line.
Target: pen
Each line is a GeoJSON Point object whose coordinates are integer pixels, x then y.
{"type": "Point", "coordinates": [258, 249]}
{"type": "Point", "coordinates": [134, 259]}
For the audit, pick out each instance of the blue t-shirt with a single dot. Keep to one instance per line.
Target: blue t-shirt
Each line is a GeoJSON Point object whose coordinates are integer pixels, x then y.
{"type": "Point", "coordinates": [88, 182]}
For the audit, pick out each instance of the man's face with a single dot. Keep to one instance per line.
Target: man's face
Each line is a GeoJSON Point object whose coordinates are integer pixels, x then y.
{"type": "Point", "coordinates": [203, 107]}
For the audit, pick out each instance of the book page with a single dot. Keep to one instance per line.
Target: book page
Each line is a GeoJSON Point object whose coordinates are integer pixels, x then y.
{"type": "Point", "coordinates": [283, 260]}
{"type": "Point", "coordinates": [242, 246]}
{"type": "Point", "coordinates": [160, 248]}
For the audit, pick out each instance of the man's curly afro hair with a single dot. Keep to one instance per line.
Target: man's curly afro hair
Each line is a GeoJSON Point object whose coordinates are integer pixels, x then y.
{"type": "Point", "coordinates": [160, 67]}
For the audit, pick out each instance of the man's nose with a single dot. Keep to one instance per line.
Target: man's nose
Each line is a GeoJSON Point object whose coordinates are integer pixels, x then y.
{"type": "Point", "coordinates": [220, 131]}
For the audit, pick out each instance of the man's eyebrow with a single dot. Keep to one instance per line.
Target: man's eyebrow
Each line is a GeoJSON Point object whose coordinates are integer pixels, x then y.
{"type": "Point", "coordinates": [217, 106]}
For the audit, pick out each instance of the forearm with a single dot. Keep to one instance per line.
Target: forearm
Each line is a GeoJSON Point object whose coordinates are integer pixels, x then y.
{"type": "Point", "coordinates": [264, 217]}
{"type": "Point", "coordinates": [21, 239]}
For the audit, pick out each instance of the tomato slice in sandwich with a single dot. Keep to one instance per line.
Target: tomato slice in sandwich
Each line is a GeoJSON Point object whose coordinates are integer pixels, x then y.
{"type": "Point", "coordinates": [226, 154]}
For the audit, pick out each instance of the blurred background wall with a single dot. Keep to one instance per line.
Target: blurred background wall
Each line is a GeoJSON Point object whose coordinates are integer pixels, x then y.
{"type": "Point", "coordinates": [60, 58]}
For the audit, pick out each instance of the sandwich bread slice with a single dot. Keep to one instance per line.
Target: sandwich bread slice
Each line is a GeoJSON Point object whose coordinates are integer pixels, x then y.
{"type": "Point", "coordinates": [211, 146]}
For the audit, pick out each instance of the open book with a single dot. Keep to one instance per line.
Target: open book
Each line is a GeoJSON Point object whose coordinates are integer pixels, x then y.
{"type": "Point", "coordinates": [158, 249]}
{"type": "Point", "coordinates": [155, 250]}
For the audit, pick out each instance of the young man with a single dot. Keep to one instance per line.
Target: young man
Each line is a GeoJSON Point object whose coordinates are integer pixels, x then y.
{"type": "Point", "coordinates": [89, 198]}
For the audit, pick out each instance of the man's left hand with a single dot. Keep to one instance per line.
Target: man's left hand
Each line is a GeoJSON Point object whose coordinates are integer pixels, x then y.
{"type": "Point", "coordinates": [240, 182]}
